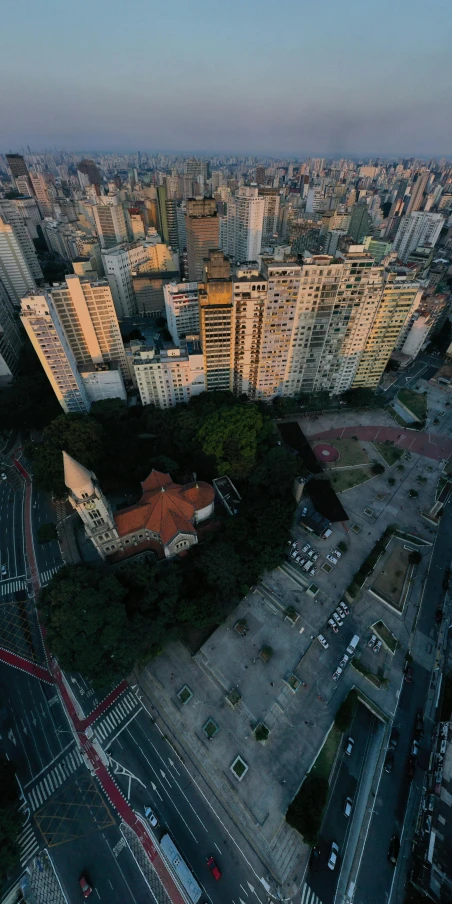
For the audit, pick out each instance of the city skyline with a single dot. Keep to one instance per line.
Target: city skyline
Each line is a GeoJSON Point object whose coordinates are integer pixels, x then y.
{"type": "Point", "coordinates": [302, 83]}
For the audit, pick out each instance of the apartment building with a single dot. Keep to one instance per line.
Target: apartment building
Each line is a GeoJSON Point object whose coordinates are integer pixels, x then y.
{"type": "Point", "coordinates": [181, 309]}
{"type": "Point", "coordinates": [216, 320]}
{"type": "Point", "coordinates": [202, 234]}
{"type": "Point", "coordinates": [415, 230]}
{"type": "Point", "coordinates": [46, 333]}
{"type": "Point", "coordinates": [14, 215]}
{"type": "Point", "coordinates": [110, 224]}
{"type": "Point", "coordinates": [168, 377]}
{"type": "Point", "coordinates": [15, 271]}
{"type": "Point", "coordinates": [241, 229]}
{"type": "Point", "coordinates": [270, 213]}
{"type": "Point", "coordinates": [249, 298]}
{"type": "Point", "coordinates": [278, 320]}
{"type": "Point", "coordinates": [10, 340]}
{"type": "Point", "coordinates": [41, 190]}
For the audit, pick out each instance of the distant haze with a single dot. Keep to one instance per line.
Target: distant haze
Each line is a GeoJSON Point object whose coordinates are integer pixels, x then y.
{"type": "Point", "coordinates": [282, 78]}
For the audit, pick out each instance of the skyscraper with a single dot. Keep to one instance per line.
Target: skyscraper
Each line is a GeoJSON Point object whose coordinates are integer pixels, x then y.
{"type": "Point", "coordinates": [49, 340]}
{"type": "Point", "coordinates": [202, 230]}
{"type": "Point", "coordinates": [216, 321]}
{"type": "Point", "coordinates": [89, 174]}
{"type": "Point", "coordinates": [360, 222]}
{"type": "Point", "coordinates": [241, 236]}
{"type": "Point", "coordinates": [12, 214]}
{"type": "Point", "coordinates": [15, 271]}
{"type": "Point", "coordinates": [182, 309]}
{"type": "Point", "coordinates": [10, 340]}
{"type": "Point", "coordinates": [417, 192]}
{"type": "Point", "coordinates": [17, 165]}
{"type": "Point", "coordinates": [271, 213]}
{"type": "Point", "coordinates": [416, 230]}
{"type": "Point", "coordinates": [110, 224]}
{"type": "Point", "coordinates": [41, 191]}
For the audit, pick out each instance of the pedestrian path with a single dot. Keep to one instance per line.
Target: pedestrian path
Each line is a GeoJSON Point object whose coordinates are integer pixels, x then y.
{"type": "Point", "coordinates": [52, 781]}
{"type": "Point", "coordinates": [8, 587]}
{"type": "Point", "coordinates": [125, 708]}
{"type": "Point", "coordinates": [46, 576]}
{"type": "Point", "coordinates": [28, 844]}
{"type": "Point", "coordinates": [308, 896]}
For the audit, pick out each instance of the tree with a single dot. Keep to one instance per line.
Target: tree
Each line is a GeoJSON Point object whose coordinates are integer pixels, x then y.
{"type": "Point", "coordinates": [345, 713]}
{"type": "Point", "coordinates": [29, 403]}
{"type": "Point", "coordinates": [414, 557]}
{"type": "Point", "coordinates": [231, 436]}
{"type": "Point", "coordinates": [377, 468]}
{"type": "Point", "coordinates": [391, 481]}
{"type": "Point", "coordinates": [10, 819]}
{"type": "Point", "coordinates": [79, 435]}
{"type": "Point", "coordinates": [84, 612]}
{"type": "Point", "coordinates": [47, 532]}
{"type": "Point", "coordinates": [413, 494]}
{"type": "Point", "coordinates": [305, 813]}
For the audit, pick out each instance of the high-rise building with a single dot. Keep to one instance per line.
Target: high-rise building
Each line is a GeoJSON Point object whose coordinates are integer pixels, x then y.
{"type": "Point", "coordinates": [260, 175]}
{"type": "Point", "coordinates": [216, 318]}
{"type": "Point", "coordinates": [197, 170]}
{"type": "Point", "coordinates": [279, 312]}
{"type": "Point", "coordinates": [110, 224]}
{"type": "Point", "coordinates": [41, 192]}
{"type": "Point", "coordinates": [28, 209]}
{"type": "Point", "coordinates": [17, 165]}
{"type": "Point", "coordinates": [250, 299]}
{"type": "Point", "coordinates": [417, 192]}
{"type": "Point", "coordinates": [118, 270]}
{"type": "Point", "coordinates": [89, 174]}
{"type": "Point", "coordinates": [419, 229]}
{"type": "Point", "coordinates": [271, 214]}
{"type": "Point", "coordinates": [10, 213]}
{"type": "Point", "coordinates": [399, 299]}
{"type": "Point", "coordinates": [15, 271]}
{"type": "Point", "coordinates": [170, 376]}
{"type": "Point", "coordinates": [51, 345]}
{"type": "Point", "coordinates": [378, 248]}
{"type": "Point", "coordinates": [87, 313]}
{"type": "Point", "coordinates": [241, 236]}
{"type": "Point", "coordinates": [360, 222]}
{"type": "Point", "coordinates": [10, 340]}
{"type": "Point", "coordinates": [182, 309]}
{"type": "Point", "coordinates": [202, 230]}
{"type": "Point", "coordinates": [314, 199]}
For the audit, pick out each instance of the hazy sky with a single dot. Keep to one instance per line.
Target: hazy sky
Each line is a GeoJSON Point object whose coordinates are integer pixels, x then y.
{"type": "Point", "coordinates": [260, 76]}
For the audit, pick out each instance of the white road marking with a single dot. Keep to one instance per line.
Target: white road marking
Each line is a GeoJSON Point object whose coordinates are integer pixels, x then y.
{"type": "Point", "coordinates": [49, 764]}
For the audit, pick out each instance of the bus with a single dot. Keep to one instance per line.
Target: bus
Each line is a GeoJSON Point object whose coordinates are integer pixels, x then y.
{"type": "Point", "coordinates": [181, 869]}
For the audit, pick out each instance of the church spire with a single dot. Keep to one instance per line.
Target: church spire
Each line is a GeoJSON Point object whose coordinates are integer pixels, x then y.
{"type": "Point", "coordinates": [76, 477]}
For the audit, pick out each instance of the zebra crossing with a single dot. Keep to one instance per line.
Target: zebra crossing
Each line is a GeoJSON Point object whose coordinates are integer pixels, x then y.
{"type": "Point", "coordinates": [13, 586]}
{"type": "Point", "coordinates": [123, 710]}
{"type": "Point", "coordinates": [52, 781]}
{"type": "Point", "coordinates": [308, 896]}
{"type": "Point", "coordinates": [28, 845]}
{"type": "Point", "coordinates": [46, 576]}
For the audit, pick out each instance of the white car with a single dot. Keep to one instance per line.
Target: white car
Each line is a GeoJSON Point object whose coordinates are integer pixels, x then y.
{"type": "Point", "coordinates": [306, 548]}
{"type": "Point", "coordinates": [338, 619]}
{"type": "Point", "coordinates": [343, 661]}
{"type": "Point", "coordinates": [151, 817]}
{"type": "Point", "coordinates": [377, 646]}
{"type": "Point", "coordinates": [313, 571]}
{"type": "Point", "coordinates": [349, 747]}
{"type": "Point", "coordinates": [316, 556]}
{"type": "Point", "coordinates": [331, 559]}
{"type": "Point", "coordinates": [343, 606]}
{"type": "Point", "coordinates": [333, 625]}
{"type": "Point", "coordinates": [322, 640]}
{"type": "Point", "coordinates": [337, 674]}
{"type": "Point", "coordinates": [3, 475]}
{"type": "Point", "coordinates": [333, 856]}
{"type": "Point", "coordinates": [342, 611]}
{"type": "Point", "coordinates": [294, 553]}
{"type": "Point", "coordinates": [4, 571]}
{"type": "Point", "coordinates": [348, 806]}
{"type": "Point", "coordinates": [335, 552]}
{"type": "Point", "coordinates": [371, 643]}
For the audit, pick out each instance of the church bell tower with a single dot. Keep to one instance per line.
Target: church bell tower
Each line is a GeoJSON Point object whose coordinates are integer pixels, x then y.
{"type": "Point", "coordinates": [87, 499]}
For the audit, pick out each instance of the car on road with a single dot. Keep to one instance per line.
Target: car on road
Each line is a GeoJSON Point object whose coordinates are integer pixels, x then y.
{"type": "Point", "coordinates": [333, 856]}
{"type": "Point", "coordinates": [314, 860]}
{"type": "Point", "coordinates": [348, 806]}
{"type": "Point", "coordinates": [377, 646]}
{"type": "Point", "coordinates": [389, 761]}
{"type": "Point", "coordinates": [394, 848]}
{"type": "Point", "coordinates": [322, 640]}
{"type": "Point", "coordinates": [211, 863]}
{"type": "Point", "coordinates": [151, 817]}
{"type": "Point", "coordinates": [331, 559]}
{"type": "Point", "coordinates": [349, 747]}
{"type": "Point", "coordinates": [419, 728]}
{"type": "Point", "coordinates": [4, 571]}
{"type": "Point", "coordinates": [411, 767]}
{"type": "Point", "coordinates": [337, 619]}
{"type": "Point", "coordinates": [304, 512]}
{"type": "Point", "coordinates": [393, 739]}
{"type": "Point", "coordinates": [408, 673]}
{"type": "Point", "coordinates": [332, 624]}
{"type": "Point", "coordinates": [415, 748]}
{"type": "Point", "coordinates": [85, 886]}
{"type": "Point", "coordinates": [372, 641]}
{"type": "Point", "coordinates": [3, 475]}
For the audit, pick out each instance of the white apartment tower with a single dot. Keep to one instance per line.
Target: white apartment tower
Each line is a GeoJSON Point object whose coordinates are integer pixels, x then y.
{"type": "Point", "coordinates": [416, 230]}
{"type": "Point", "coordinates": [15, 272]}
{"type": "Point", "coordinates": [182, 309]}
{"type": "Point", "coordinates": [49, 340]}
{"type": "Point", "coordinates": [110, 223]}
{"type": "Point", "coordinates": [12, 214]}
{"type": "Point", "coordinates": [171, 376]}
{"type": "Point", "coordinates": [241, 234]}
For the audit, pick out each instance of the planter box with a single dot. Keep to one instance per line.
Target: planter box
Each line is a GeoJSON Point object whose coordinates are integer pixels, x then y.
{"type": "Point", "coordinates": [185, 694]}
{"type": "Point", "coordinates": [233, 697]}
{"type": "Point", "coordinates": [239, 768]}
{"type": "Point", "coordinates": [210, 728]}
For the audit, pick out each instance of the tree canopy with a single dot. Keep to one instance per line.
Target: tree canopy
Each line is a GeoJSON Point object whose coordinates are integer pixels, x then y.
{"type": "Point", "coordinates": [10, 818]}
{"type": "Point", "coordinates": [80, 436]}
{"type": "Point", "coordinates": [231, 436]}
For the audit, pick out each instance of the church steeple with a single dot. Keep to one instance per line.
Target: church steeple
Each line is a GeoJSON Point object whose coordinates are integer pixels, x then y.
{"type": "Point", "coordinates": [77, 478]}
{"type": "Point", "coordinates": [87, 499]}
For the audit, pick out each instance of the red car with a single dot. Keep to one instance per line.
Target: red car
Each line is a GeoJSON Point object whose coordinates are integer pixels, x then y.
{"type": "Point", "coordinates": [213, 868]}
{"type": "Point", "coordinates": [85, 886]}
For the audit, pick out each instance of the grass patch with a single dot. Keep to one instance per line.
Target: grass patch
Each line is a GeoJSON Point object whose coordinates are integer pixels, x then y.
{"type": "Point", "coordinates": [350, 453]}
{"type": "Point", "coordinates": [324, 762]}
{"type": "Point", "coordinates": [385, 635]}
{"type": "Point", "coordinates": [390, 581]}
{"type": "Point", "coordinates": [357, 665]}
{"type": "Point", "coordinates": [345, 480]}
{"type": "Point", "coordinates": [396, 417]}
{"type": "Point", "coordinates": [415, 402]}
{"type": "Point", "coordinates": [389, 452]}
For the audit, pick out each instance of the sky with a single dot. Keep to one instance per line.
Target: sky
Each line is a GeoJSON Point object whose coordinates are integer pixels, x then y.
{"type": "Point", "coordinates": [264, 77]}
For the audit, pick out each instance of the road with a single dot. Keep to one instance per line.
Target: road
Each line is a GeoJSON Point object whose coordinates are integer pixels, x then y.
{"type": "Point", "coordinates": [423, 368]}
{"type": "Point", "coordinates": [336, 826]}
{"type": "Point", "coordinates": [12, 553]}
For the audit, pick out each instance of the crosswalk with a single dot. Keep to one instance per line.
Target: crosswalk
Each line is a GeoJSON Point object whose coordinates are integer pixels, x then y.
{"type": "Point", "coordinates": [8, 587]}
{"type": "Point", "coordinates": [28, 845]}
{"type": "Point", "coordinates": [52, 781]}
{"type": "Point", "coordinates": [308, 896]}
{"type": "Point", "coordinates": [46, 576]}
{"type": "Point", "coordinates": [122, 711]}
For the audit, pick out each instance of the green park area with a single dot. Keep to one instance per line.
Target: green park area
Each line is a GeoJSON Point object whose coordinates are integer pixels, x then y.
{"type": "Point", "coordinates": [416, 402]}
{"type": "Point", "coordinates": [345, 480]}
{"type": "Point", "coordinates": [350, 453]}
{"type": "Point", "coordinates": [389, 452]}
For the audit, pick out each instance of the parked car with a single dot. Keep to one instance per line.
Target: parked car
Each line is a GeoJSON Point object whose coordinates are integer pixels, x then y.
{"type": "Point", "coordinates": [337, 619]}
{"type": "Point", "coordinates": [419, 723]}
{"type": "Point", "coordinates": [332, 624]}
{"type": "Point", "coordinates": [3, 475]}
{"type": "Point", "coordinates": [331, 559]}
{"type": "Point", "coordinates": [349, 747]}
{"type": "Point", "coordinates": [377, 646]}
{"type": "Point", "coordinates": [343, 606]}
{"type": "Point", "coordinates": [389, 761]}
{"type": "Point", "coordinates": [294, 553]}
{"type": "Point", "coordinates": [306, 548]}
{"type": "Point", "coordinates": [337, 674]}
{"type": "Point", "coordinates": [343, 661]}
{"type": "Point", "coordinates": [150, 816]}
{"type": "Point", "coordinates": [408, 673]}
{"type": "Point", "coordinates": [85, 886]}
{"type": "Point", "coordinates": [333, 856]}
{"type": "Point", "coordinates": [394, 848]}
{"type": "Point", "coordinates": [313, 571]}
{"type": "Point", "coordinates": [216, 873]}
{"type": "Point", "coordinates": [316, 556]}
{"type": "Point", "coordinates": [371, 643]}
{"type": "Point", "coordinates": [415, 748]}
{"type": "Point", "coordinates": [335, 552]}
{"type": "Point", "coordinates": [411, 767]}
{"type": "Point", "coordinates": [322, 640]}
{"type": "Point", "coordinates": [304, 512]}
{"type": "Point", "coordinates": [393, 740]}
{"type": "Point", "coordinates": [314, 860]}
{"type": "Point", "coordinates": [343, 611]}
{"type": "Point", "coordinates": [348, 806]}
{"type": "Point", "coordinates": [4, 571]}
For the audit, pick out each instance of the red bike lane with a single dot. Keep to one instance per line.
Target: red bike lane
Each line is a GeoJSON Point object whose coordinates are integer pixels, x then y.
{"type": "Point", "coordinates": [432, 445]}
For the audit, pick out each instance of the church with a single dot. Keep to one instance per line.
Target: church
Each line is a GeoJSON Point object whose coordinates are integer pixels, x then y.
{"type": "Point", "coordinates": [164, 519]}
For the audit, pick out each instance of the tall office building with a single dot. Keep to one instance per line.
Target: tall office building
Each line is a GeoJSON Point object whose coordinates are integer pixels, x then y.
{"type": "Point", "coordinates": [202, 231]}
{"type": "Point", "coordinates": [182, 309]}
{"type": "Point", "coordinates": [10, 213]}
{"type": "Point", "coordinates": [216, 317]}
{"type": "Point", "coordinates": [15, 271]}
{"type": "Point", "coordinates": [110, 224]}
{"type": "Point", "coordinates": [197, 170]}
{"type": "Point", "coordinates": [28, 209]}
{"type": "Point", "coordinates": [360, 222]}
{"type": "Point", "coordinates": [417, 192]}
{"type": "Point", "coordinates": [10, 340]}
{"type": "Point", "coordinates": [241, 236]}
{"type": "Point", "coordinates": [51, 345]}
{"type": "Point", "coordinates": [87, 313]}
{"type": "Point", "coordinates": [271, 213]}
{"type": "Point", "coordinates": [419, 229]}
{"type": "Point", "coordinates": [41, 192]}
{"type": "Point", "coordinates": [89, 174]}
{"type": "Point", "coordinates": [399, 299]}
{"type": "Point", "coordinates": [17, 166]}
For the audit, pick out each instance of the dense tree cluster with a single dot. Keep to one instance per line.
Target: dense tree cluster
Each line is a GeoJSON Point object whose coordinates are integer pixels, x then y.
{"type": "Point", "coordinates": [100, 622]}
{"type": "Point", "coordinates": [10, 818]}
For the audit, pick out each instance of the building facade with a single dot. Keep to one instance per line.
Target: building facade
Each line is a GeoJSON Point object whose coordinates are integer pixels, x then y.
{"type": "Point", "coordinates": [181, 309]}
{"type": "Point", "coordinates": [15, 272]}
{"type": "Point", "coordinates": [417, 229]}
{"type": "Point", "coordinates": [170, 376]}
{"type": "Point", "coordinates": [110, 224]}
{"type": "Point", "coordinates": [216, 321]}
{"type": "Point", "coordinates": [202, 233]}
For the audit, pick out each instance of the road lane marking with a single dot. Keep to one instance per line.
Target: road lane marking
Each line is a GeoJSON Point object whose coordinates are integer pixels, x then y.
{"type": "Point", "coordinates": [71, 743]}
{"type": "Point", "coordinates": [120, 870]}
{"type": "Point", "coordinates": [218, 849]}
{"type": "Point", "coordinates": [110, 740]}
{"type": "Point", "coordinates": [244, 889]}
